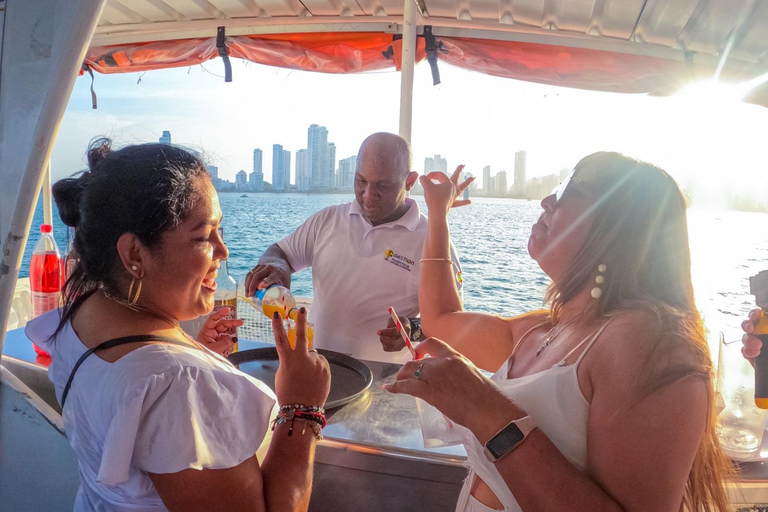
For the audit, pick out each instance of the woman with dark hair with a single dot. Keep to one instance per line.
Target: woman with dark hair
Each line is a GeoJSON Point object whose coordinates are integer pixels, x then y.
{"type": "Point", "coordinates": [605, 400]}
{"type": "Point", "coordinates": [158, 420]}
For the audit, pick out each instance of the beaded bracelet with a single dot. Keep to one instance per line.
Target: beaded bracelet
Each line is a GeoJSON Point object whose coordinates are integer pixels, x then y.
{"type": "Point", "coordinates": [312, 416]}
{"type": "Point", "coordinates": [302, 408]}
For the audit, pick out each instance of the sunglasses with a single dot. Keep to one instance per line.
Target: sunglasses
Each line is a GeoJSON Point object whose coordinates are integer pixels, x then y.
{"type": "Point", "coordinates": [560, 189]}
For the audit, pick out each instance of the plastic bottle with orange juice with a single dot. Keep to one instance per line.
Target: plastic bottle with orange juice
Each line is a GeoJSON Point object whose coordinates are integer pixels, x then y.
{"type": "Point", "coordinates": [272, 299]}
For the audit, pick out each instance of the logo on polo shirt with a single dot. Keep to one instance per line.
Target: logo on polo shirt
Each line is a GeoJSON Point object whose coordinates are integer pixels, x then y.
{"type": "Point", "coordinates": [399, 260]}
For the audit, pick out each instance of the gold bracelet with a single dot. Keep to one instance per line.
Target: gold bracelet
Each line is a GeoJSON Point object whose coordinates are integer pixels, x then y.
{"type": "Point", "coordinates": [422, 260]}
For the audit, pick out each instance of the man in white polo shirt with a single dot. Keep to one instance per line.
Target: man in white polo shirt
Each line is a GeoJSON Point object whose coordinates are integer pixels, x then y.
{"type": "Point", "coordinates": [364, 257]}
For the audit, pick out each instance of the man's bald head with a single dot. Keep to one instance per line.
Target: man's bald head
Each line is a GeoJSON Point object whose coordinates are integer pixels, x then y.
{"type": "Point", "coordinates": [383, 176]}
{"type": "Point", "coordinates": [388, 152]}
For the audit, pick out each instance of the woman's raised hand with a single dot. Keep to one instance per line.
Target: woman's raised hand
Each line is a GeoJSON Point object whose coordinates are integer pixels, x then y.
{"type": "Point", "coordinates": [752, 343]}
{"type": "Point", "coordinates": [441, 192]}
{"type": "Point", "coordinates": [219, 332]}
{"type": "Point", "coordinates": [304, 376]}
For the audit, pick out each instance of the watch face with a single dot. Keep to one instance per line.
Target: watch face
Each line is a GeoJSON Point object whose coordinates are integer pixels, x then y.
{"type": "Point", "coordinates": [504, 441]}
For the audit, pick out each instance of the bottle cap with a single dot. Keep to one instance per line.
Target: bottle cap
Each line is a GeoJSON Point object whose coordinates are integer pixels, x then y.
{"type": "Point", "coordinates": [46, 228]}
{"type": "Point", "coordinates": [758, 286]}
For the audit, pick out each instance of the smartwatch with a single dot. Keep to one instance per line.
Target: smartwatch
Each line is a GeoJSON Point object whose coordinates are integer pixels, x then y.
{"type": "Point", "coordinates": [415, 329]}
{"type": "Point", "coordinates": [508, 438]}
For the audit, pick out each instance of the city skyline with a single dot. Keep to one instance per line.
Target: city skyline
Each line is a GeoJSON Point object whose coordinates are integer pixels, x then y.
{"type": "Point", "coordinates": [709, 145]}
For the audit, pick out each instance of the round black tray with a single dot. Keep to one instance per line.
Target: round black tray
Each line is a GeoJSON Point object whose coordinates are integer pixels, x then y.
{"type": "Point", "coordinates": [349, 376]}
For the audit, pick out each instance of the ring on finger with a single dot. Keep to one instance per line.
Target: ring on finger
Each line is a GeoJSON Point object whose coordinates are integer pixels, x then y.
{"type": "Point", "coordinates": [312, 350]}
{"type": "Point", "coordinates": [417, 374]}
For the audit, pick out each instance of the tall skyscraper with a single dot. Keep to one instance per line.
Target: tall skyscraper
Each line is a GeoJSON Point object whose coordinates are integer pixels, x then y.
{"type": "Point", "coordinates": [278, 167]}
{"type": "Point", "coordinates": [487, 189]}
{"type": "Point", "coordinates": [319, 160]}
{"type": "Point", "coordinates": [501, 183]}
{"type": "Point", "coordinates": [436, 163]}
{"type": "Point", "coordinates": [256, 178]}
{"type": "Point", "coordinates": [347, 168]}
{"type": "Point", "coordinates": [518, 188]}
{"type": "Point", "coordinates": [257, 167]}
{"type": "Point", "coordinates": [166, 138]}
{"type": "Point", "coordinates": [302, 170]}
{"type": "Point", "coordinates": [334, 182]}
{"type": "Point", "coordinates": [241, 180]}
{"type": "Point", "coordinates": [287, 168]}
{"type": "Point", "coordinates": [213, 172]}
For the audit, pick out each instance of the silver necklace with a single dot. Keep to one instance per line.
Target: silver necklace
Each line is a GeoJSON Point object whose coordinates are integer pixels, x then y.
{"type": "Point", "coordinates": [551, 335]}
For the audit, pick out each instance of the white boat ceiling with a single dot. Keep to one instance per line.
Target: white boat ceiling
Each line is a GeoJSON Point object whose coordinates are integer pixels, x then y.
{"type": "Point", "coordinates": [704, 30]}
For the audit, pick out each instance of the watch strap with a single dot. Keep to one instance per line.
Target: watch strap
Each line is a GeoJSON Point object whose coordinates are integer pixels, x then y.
{"type": "Point", "coordinates": [508, 438]}
{"type": "Point", "coordinates": [415, 334]}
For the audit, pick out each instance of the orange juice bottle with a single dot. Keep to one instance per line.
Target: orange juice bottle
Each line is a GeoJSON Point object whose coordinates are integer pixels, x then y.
{"type": "Point", "coordinates": [273, 299]}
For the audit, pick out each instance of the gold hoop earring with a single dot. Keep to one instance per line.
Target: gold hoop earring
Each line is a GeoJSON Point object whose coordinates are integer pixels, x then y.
{"type": "Point", "coordinates": [135, 299]}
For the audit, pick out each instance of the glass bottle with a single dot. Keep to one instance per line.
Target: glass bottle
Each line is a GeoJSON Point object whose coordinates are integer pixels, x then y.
{"type": "Point", "coordinates": [226, 290]}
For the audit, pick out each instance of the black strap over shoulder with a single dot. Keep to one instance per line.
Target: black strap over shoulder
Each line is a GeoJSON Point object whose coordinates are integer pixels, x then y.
{"type": "Point", "coordinates": [114, 343]}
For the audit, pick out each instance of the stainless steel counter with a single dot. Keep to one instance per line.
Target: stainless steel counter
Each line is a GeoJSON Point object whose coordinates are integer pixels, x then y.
{"type": "Point", "coordinates": [373, 458]}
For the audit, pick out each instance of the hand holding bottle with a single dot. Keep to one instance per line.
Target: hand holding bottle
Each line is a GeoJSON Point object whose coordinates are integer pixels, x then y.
{"type": "Point", "coordinates": [752, 344]}
{"type": "Point", "coordinates": [265, 275]}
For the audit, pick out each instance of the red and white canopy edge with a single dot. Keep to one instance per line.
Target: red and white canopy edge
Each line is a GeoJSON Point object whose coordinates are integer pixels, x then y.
{"type": "Point", "coordinates": [638, 46]}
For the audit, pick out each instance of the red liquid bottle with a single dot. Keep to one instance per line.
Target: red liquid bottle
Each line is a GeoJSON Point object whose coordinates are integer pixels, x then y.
{"type": "Point", "coordinates": [46, 276]}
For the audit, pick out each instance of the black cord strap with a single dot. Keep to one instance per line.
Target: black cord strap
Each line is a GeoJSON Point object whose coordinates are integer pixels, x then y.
{"type": "Point", "coordinates": [114, 343]}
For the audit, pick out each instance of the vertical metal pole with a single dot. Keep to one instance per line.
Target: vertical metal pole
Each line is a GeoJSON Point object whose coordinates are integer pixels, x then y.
{"type": "Point", "coordinates": [73, 23]}
{"type": "Point", "coordinates": [47, 214]}
{"type": "Point", "coordinates": [406, 71]}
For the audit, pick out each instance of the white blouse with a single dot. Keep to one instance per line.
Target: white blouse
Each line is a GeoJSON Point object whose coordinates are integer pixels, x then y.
{"type": "Point", "coordinates": [161, 408]}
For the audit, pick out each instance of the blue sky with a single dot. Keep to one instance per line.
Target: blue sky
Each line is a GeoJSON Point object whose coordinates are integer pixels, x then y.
{"type": "Point", "coordinates": [475, 119]}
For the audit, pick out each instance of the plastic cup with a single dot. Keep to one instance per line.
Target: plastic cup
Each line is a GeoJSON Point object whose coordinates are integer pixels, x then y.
{"type": "Point", "coordinates": [741, 424]}
{"type": "Point", "coordinates": [436, 429]}
{"type": "Point", "coordinates": [292, 334]}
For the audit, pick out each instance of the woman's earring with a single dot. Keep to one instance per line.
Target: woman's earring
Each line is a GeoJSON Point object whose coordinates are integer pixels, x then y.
{"type": "Point", "coordinates": [134, 268]}
{"type": "Point", "coordinates": [597, 291]}
{"type": "Point", "coordinates": [133, 300]}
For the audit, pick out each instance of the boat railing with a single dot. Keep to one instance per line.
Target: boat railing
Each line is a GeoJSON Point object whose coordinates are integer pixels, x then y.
{"type": "Point", "coordinates": [256, 326]}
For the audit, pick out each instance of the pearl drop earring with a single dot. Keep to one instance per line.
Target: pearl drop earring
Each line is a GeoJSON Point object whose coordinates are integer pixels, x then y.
{"type": "Point", "coordinates": [597, 291]}
{"type": "Point", "coordinates": [134, 268]}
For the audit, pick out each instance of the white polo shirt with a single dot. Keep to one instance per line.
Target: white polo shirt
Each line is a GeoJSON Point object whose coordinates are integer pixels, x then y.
{"type": "Point", "coordinates": [358, 271]}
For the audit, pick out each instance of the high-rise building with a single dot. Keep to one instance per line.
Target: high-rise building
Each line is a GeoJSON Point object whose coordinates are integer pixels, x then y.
{"type": "Point", "coordinates": [256, 182]}
{"type": "Point", "coordinates": [213, 172]}
{"type": "Point", "coordinates": [347, 168]}
{"type": "Point", "coordinates": [278, 167]}
{"type": "Point", "coordinates": [166, 138]}
{"type": "Point", "coordinates": [319, 160]}
{"type": "Point", "coordinates": [256, 178]}
{"type": "Point", "coordinates": [303, 177]}
{"type": "Point", "coordinates": [501, 183]}
{"type": "Point", "coordinates": [487, 189]}
{"type": "Point", "coordinates": [287, 168]}
{"type": "Point", "coordinates": [241, 180]}
{"type": "Point", "coordinates": [436, 163]}
{"type": "Point", "coordinates": [518, 188]}
{"type": "Point", "coordinates": [332, 164]}
{"type": "Point", "coordinates": [257, 158]}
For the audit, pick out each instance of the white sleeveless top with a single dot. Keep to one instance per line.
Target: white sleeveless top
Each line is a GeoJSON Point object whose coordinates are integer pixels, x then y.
{"type": "Point", "coordinates": [553, 399]}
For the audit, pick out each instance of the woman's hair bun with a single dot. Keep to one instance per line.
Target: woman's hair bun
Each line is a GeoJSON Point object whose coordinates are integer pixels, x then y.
{"type": "Point", "coordinates": [98, 150]}
{"type": "Point", "coordinates": [67, 194]}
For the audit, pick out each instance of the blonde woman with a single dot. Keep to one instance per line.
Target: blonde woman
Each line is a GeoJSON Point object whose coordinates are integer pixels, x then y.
{"type": "Point", "coordinates": [604, 402]}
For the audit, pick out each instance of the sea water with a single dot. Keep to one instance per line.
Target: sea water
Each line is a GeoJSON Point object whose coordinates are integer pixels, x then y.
{"type": "Point", "coordinates": [491, 236]}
